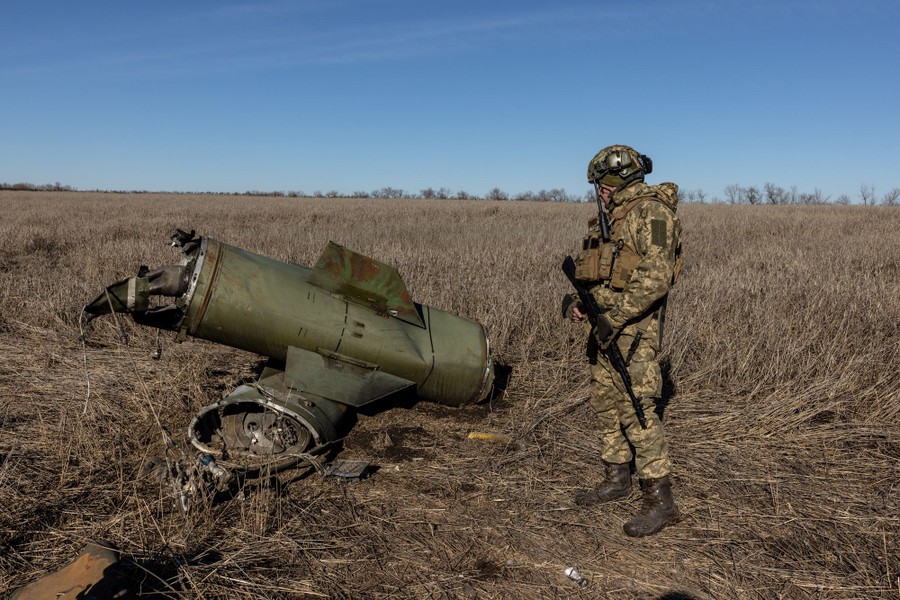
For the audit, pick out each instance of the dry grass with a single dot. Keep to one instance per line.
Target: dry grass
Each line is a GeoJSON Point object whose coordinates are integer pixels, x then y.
{"type": "Point", "coordinates": [783, 410]}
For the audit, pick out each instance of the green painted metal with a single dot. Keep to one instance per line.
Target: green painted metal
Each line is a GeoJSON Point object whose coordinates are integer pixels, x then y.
{"type": "Point", "coordinates": [365, 280]}
{"type": "Point", "coordinates": [127, 295]}
{"type": "Point", "coordinates": [338, 377]}
{"type": "Point", "coordinates": [340, 336]}
{"type": "Point", "coordinates": [349, 310]}
{"type": "Point", "coordinates": [255, 303]}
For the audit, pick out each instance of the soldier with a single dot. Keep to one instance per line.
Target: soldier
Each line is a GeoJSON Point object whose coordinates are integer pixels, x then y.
{"type": "Point", "coordinates": [630, 273]}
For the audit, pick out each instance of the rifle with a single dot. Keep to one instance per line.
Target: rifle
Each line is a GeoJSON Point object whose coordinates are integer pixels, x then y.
{"type": "Point", "coordinates": [612, 352]}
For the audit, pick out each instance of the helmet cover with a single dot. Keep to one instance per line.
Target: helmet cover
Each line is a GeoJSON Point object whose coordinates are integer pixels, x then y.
{"type": "Point", "coordinates": [614, 165]}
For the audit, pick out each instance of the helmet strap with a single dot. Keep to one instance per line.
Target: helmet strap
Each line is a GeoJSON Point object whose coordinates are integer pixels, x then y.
{"type": "Point", "coordinates": [637, 175]}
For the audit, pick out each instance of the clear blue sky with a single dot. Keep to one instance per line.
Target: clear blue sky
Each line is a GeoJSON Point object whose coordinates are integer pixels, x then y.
{"type": "Point", "coordinates": [360, 94]}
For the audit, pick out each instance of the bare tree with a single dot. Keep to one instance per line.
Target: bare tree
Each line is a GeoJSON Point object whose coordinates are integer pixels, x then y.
{"type": "Point", "coordinates": [427, 193]}
{"type": "Point", "coordinates": [771, 194]}
{"type": "Point", "coordinates": [890, 198]}
{"type": "Point", "coordinates": [496, 194]}
{"type": "Point", "coordinates": [867, 194]}
{"type": "Point", "coordinates": [752, 195]}
{"type": "Point", "coordinates": [815, 197]}
{"type": "Point", "coordinates": [734, 193]}
{"type": "Point", "coordinates": [554, 195]}
{"type": "Point", "coordinates": [842, 199]}
{"type": "Point", "coordinates": [558, 195]}
{"type": "Point", "coordinates": [775, 194]}
{"type": "Point", "coordinates": [388, 192]}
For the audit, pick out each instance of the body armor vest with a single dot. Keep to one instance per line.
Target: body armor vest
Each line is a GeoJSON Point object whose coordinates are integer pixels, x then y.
{"type": "Point", "coordinates": [612, 263]}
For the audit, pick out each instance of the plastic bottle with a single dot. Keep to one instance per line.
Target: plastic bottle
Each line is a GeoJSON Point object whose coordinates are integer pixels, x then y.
{"type": "Point", "coordinates": [573, 574]}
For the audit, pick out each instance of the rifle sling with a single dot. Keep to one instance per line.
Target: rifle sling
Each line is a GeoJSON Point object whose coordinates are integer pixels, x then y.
{"type": "Point", "coordinates": [634, 346]}
{"type": "Point", "coordinates": [642, 327]}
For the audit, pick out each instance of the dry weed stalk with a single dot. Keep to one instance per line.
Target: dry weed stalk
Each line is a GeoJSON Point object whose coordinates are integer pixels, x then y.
{"type": "Point", "coordinates": [783, 404]}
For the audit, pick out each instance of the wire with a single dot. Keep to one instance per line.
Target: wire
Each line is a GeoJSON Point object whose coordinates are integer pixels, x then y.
{"type": "Point", "coordinates": [87, 375]}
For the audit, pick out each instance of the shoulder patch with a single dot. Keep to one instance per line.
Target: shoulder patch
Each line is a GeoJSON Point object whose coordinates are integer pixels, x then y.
{"type": "Point", "coordinates": [658, 232]}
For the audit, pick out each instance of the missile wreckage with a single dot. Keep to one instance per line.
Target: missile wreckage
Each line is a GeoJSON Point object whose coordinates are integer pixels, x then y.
{"type": "Point", "coordinates": [339, 336]}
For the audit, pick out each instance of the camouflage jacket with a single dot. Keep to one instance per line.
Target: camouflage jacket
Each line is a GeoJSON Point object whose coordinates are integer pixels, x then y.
{"type": "Point", "coordinates": [643, 218]}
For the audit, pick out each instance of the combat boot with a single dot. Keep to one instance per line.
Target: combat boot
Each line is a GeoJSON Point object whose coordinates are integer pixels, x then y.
{"type": "Point", "coordinates": [658, 510]}
{"type": "Point", "coordinates": [616, 485]}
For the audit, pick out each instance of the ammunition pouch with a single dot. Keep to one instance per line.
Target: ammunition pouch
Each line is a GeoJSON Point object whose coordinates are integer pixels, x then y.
{"type": "Point", "coordinates": [626, 262]}
{"type": "Point", "coordinates": [595, 261]}
{"type": "Point", "coordinates": [608, 263]}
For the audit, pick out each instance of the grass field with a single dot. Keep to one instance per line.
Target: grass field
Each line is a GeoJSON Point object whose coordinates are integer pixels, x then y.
{"type": "Point", "coordinates": [782, 410]}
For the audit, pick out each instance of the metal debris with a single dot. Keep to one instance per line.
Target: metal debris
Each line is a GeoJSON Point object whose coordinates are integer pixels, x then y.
{"type": "Point", "coordinates": [348, 470]}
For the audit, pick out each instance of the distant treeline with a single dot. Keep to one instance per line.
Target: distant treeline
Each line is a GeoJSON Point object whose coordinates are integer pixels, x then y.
{"type": "Point", "coordinates": [30, 187]}
{"type": "Point", "coordinates": [769, 193]}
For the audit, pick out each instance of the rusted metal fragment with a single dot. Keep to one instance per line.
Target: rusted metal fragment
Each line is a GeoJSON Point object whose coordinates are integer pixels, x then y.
{"type": "Point", "coordinates": [91, 574]}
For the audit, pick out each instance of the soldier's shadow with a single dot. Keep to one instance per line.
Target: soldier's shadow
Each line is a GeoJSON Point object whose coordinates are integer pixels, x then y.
{"type": "Point", "coordinates": [669, 389]}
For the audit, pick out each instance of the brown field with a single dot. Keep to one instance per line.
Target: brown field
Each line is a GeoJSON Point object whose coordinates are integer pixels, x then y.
{"type": "Point", "coordinates": [783, 410]}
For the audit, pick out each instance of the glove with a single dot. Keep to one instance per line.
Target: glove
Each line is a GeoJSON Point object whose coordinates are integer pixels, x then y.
{"type": "Point", "coordinates": [604, 331]}
{"type": "Point", "coordinates": [569, 303]}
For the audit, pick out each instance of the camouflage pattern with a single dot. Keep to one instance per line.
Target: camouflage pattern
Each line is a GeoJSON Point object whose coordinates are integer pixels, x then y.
{"type": "Point", "coordinates": [650, 228]}
{"type": "Point", "coordinates": [613, 165]}
{"type": "Point", "coordinates": [653, 231]}
{"type": "Point", "coordinates": [614, 410]}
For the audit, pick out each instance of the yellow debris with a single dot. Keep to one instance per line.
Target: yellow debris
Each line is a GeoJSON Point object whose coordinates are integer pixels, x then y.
{"type": "Point", "coordinates": [491, 437]}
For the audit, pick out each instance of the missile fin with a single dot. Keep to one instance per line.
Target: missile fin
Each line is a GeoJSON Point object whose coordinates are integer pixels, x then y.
{"type": "Point", "coordinates": [339, 378]}
{"type": "Point", "coordinates": [365, 280]}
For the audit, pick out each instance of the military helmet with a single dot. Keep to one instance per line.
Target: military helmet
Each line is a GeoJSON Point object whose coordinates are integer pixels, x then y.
{"type": "Point", "coordinates": [617, 165]}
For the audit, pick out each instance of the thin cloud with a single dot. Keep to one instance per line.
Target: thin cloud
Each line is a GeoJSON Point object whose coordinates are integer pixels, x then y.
{"type": "Point", "coordinates": [259, 47]}
{"type": "Point", "coordinates": [258, 36]}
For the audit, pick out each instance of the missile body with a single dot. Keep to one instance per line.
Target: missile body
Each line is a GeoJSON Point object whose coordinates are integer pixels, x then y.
{"type": "Point", "coordinates": [338, 336]}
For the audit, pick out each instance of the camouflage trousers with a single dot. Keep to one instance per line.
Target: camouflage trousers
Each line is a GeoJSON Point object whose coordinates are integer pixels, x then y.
{"type": "Point", "coordinates": [618, 423]}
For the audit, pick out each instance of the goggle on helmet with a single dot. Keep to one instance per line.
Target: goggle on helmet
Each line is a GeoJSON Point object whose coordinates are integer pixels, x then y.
{"type": "Point", "coordinates": [615, 165]}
